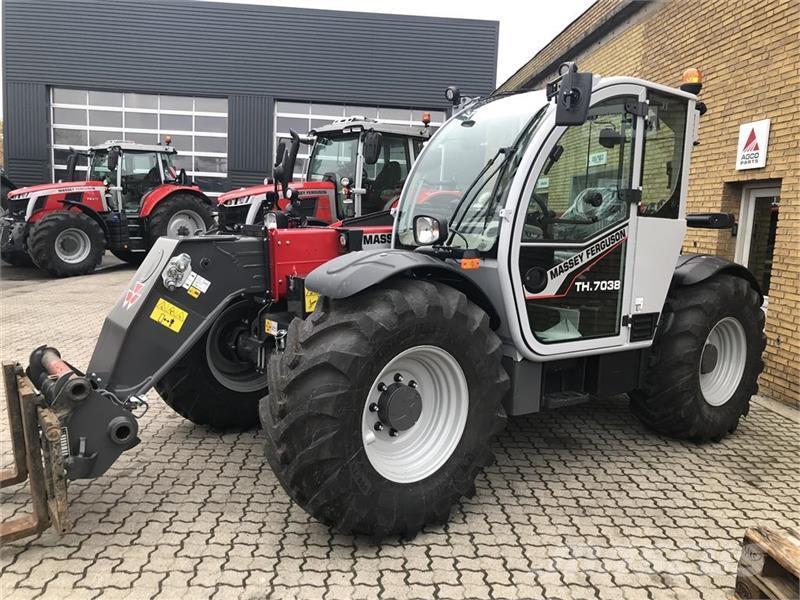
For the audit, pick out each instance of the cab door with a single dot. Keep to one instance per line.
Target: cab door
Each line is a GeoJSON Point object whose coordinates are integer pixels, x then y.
{"type": "Point", "coordinates": [573, 241]}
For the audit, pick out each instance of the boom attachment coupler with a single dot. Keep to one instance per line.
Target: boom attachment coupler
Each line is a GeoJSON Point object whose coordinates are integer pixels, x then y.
{"type": "Point", "coordinates": [68, 429]}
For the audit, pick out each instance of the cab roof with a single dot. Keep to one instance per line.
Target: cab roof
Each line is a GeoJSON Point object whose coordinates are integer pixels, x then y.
{"type": "Point", "coordinates": [358, 123]}
{"type": "Point", "coordinates": [127, 146]}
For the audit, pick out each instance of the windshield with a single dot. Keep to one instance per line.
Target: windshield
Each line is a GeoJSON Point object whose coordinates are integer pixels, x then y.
{"type": "Point", "coordinates": [98, 169]}
{"type": "Point", "coordinates": [465, 170]}
{"type": "Point", "coordinates": [334, 156]}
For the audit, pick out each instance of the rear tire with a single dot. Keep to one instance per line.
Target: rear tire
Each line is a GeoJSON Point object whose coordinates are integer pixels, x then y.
{"type": "Point", "coordinates": [67, 243]}
{"type": "Point", "coordinates": [318, 424]}
{"type": "Point", "coordinates": [212, 389]}
{"type": "Point", "coordinates": [705, 361]}
{"type": "Point", "coordinates": [181, 214]}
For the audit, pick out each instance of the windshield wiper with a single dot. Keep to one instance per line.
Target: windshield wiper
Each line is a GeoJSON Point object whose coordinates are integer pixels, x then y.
{"type": "Point", "coordinates": [506, 151]}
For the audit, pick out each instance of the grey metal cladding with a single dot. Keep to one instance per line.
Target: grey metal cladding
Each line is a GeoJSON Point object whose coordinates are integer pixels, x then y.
{"type": "Point", "coordinates": [250, 118]}
{"type": "Point", "coordinates": [26, 133]}
{"type": "Point", "coordinates": [251, 54]}
{"type": "Point", "coordinates": [191, 46]}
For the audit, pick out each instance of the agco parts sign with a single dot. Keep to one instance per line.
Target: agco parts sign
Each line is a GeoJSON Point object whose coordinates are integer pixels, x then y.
{"type": "Point", "coordinates": [752, 148]}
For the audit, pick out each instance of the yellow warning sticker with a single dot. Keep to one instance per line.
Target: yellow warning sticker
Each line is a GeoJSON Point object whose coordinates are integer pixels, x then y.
{"type": "Point", "coordinates": [311, 300]}
{"type": "Point", "coordinates": [193, 292]}
{"type": "Point", "coordinates": [169, 315]}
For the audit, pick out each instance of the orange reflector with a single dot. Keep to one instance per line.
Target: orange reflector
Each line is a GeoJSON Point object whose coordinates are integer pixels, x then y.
{"type": "Point", "coordinates": [426, 118]}
{"type": "Point", "coordinates": [692, 75]}
{"type": "Point", "coordinates": [470, 263]}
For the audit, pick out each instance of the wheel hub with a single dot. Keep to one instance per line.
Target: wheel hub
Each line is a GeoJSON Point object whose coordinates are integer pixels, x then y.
{"type": "Point", "coordinates": [723, 361]}
{"type": "Point", "coordinates": [400, 406]}
{"type": "Point", "coordinates": [415, 413]}
{"type": "Point", "coordinates": [709, 360]}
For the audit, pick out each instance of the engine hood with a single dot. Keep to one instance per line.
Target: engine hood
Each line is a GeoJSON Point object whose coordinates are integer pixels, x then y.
{"type": "Point", "coordinates": [298, 186]}
{"type": "Point", "coordinates": [55, 188]}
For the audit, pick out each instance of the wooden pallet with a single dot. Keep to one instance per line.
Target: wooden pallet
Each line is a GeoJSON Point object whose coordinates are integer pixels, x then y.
{"type": "Point", "coordinates": [770, 564]}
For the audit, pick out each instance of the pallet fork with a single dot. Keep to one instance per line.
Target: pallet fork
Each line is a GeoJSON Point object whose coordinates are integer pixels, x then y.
{"type": "Point", "coordinates": [36, 443]}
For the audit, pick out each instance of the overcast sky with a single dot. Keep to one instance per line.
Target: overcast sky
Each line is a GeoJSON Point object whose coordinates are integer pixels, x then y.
{"type": "Point", "coordinates": [525, 26]}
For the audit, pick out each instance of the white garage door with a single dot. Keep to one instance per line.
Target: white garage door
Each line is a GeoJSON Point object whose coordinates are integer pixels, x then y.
{"type": "Point", "coordinates": [198, 126]}
{"type": "Point", "coordinates": [305, 116]}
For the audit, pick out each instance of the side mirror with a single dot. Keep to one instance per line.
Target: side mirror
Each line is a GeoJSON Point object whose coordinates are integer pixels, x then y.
{"type": "Point", "coordinates": [572, 91]}
{"type": "Point", "coordinates": [283, 171]}
{"type": "Point", "coordinates": [373, 142]}
{"type": "Point", "coordinates": [113, 158]}
{"type": "Point", "coordinates": [72, 161]}
{"type": "Point", "coordinates": [609, 137]}
{"type": "Point", "coordinates": [182, 178]}
{"type": "Point", "coordinates": [280, 152]}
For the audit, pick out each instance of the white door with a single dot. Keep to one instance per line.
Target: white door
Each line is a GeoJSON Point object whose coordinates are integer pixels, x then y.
{"type": "Point", "coordinates": [758, 222]}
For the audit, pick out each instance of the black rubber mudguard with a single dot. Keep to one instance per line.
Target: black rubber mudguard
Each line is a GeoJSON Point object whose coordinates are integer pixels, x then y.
{"type": "Point", "coordinates": [694, 268]}
{"type": "Point", "coordinates": [151, 326]}
{"type": "Point", "coordinates": [352, 273]}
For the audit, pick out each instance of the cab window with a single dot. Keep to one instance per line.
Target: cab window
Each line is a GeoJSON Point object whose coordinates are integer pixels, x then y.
{"type": "Point", "coordinates": [664, 135]}
{"type": "Point", "coordinates": [384, 180]}
{"type": "Point", "coordinates": [582, 187]}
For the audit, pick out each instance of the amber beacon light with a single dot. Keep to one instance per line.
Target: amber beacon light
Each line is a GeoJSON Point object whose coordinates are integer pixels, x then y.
{"type": "Point", "coordinates": [692, 81]}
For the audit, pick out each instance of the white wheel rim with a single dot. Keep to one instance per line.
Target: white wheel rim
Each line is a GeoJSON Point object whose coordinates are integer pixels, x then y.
{"type": "Point", "coordinates": [73, 246]}
{"type": "Point", "coordinates": [419, 451]}
{"type": "Point", "coordinates": [720, 381]}
{"type": "Point", "coordinates": [185, 222]}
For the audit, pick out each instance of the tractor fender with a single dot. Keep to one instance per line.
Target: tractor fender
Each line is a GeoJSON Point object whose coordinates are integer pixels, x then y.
{"type": "Point", "coordinates": [694, 268]}
{"type": "Point", "coordinates": [352, 273]}
{"type": "Point", "coordinates": [90, 212]}
{"type": "Point", "coordinates": [163, 192]}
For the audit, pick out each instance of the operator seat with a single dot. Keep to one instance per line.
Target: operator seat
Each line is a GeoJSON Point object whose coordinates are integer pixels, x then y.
{"type": "Point", "coordinates": [388, 179]}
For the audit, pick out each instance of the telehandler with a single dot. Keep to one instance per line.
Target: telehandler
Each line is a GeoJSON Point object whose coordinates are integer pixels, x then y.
{"type": "Point", "coordinates": [535, 263]}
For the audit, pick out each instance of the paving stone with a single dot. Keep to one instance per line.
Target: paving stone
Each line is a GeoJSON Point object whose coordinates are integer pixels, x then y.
{"type": "Point", "coordinates": [582, 503]}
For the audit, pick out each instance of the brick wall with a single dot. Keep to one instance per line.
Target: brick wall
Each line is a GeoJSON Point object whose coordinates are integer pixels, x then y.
{"type": "Point", "coordinates": [748, 53]}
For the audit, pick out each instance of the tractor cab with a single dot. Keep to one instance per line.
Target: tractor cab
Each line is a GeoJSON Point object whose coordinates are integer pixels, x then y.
{"type": "Point", "coordinates": [130, 170]}
{"type": "Point", "coordinates": [357, 166]}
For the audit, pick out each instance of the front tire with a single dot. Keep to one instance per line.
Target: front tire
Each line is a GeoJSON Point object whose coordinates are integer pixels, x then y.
{"type": "Point", "coordinates": [705, 361]}
{"type": "Point", "coordinates": [210, 385]}
{"type": "Point", "coordinates": [426, 358]}
{"type": "Point", "coordinates": [179, 215]}
{"type": "Point", "coordinates": [16, 258]}
{"type": "Point", "coordinates": [67, 243]}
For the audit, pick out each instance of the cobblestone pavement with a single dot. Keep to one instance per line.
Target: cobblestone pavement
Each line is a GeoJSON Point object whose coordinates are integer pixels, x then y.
{"type": "Point", "coordinates": [582, 503]}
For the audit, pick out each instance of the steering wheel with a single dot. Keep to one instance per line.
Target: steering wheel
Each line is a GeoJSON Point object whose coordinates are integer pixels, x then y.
{"type": "Point", "coordinates": [542, 221]}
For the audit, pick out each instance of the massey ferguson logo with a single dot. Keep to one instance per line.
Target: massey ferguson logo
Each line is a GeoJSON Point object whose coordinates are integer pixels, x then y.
{"type": "Point", "coordinates": [132, 295]}
{"type": "Point", "coordinates": [377, 239]}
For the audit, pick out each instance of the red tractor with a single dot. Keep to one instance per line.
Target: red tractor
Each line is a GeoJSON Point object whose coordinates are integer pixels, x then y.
{"type": "Point", "coordinates": [132, 196]}
{"type": "Point", "coordinates": [357, 167]}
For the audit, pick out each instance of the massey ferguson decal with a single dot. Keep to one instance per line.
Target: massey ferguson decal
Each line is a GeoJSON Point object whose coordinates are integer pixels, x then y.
{"type": "Point", "coordinates": [562, 276]}
{"type": "Point", "coordinates": [376, 240]}
{"type": "Point", "coordinates": [132, 295]}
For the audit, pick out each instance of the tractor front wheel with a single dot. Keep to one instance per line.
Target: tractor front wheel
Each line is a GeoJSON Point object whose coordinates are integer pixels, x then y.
{"type": "Point", "coordinates": [211, 384]}
{"type": "Point", "coordinates": [67, 243]}
{"type": "Point", "coordinates": [16, 258]}
{"type": "Point", "coordinates": [705, 360]}
{"type": "Point", "coordinates": [179, 215]}
{"type": "Point", "coordinates": [382, 407]}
